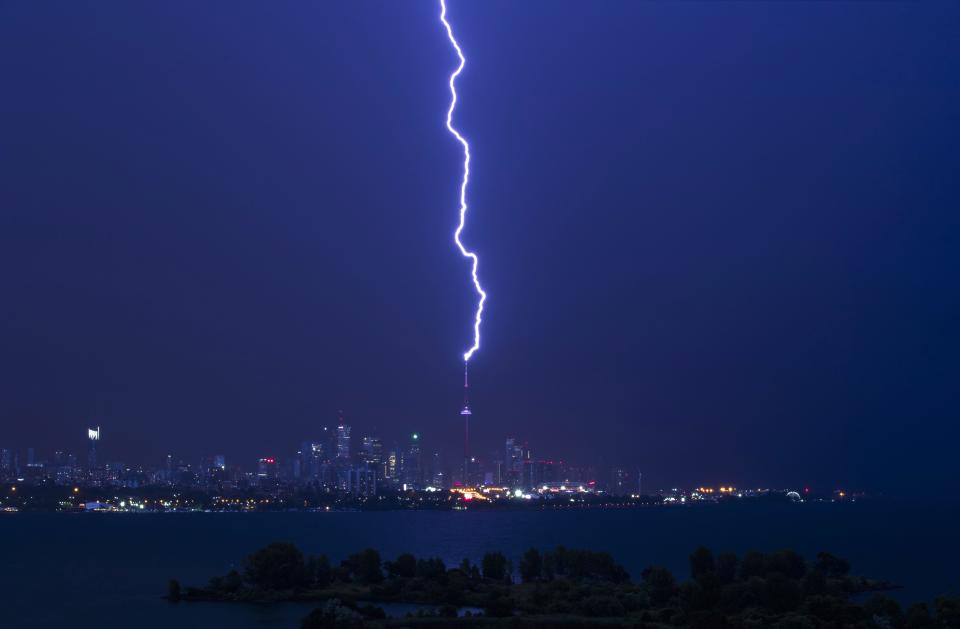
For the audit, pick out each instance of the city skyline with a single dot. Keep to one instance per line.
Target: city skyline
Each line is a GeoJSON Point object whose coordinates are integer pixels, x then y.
{"type": "Point", "coordinates": [334, 460]}
{"type": "Point", "coordinates": [332, 443]}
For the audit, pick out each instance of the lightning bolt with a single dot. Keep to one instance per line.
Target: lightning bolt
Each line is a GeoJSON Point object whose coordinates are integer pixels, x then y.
{"type": "Point", "coordinates": [463, 184]}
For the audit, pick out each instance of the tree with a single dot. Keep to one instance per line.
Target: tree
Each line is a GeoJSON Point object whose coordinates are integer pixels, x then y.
{"type": "Point", "coordinates": [727, 564]}
{"type": "Point", "coordinates": [787, 563]}
{"type": "Point", "coordinates": [469, 570]}
{"type": "Point", "coordinates": [431, 569]}
{"type": "Point", "coordinates": [582, 564]}
{"type": "Point", "coordinates": [948, 611]}
{"type": "Point", "coordinates": [173, 591]}
{"type": "Point", "coordinates": [319, 571]}
{"type": "Point", "coordinates": [883, 607]}
{"type": "Point", "coordinates": [918, 617]}
{"type": "Point", "coordinates": [782, 593]}
{"type": "Point", "coordinates": [232, 582]}
{"type": "Point", "coordinates": [659, 585]}
{"type": "Point", "coordinates": [702, 563]}
{"type": "Point", "coordinates": [404, 566]}
{"type": "Point", "coordinates": [531, 565]}
{"type": "Point", "coordinates": [494, 566]}
{"type": "Point", "coordinates": [278, 566]}
{"type": "Point", "coordinates": [364, 566]}
{"type": "Point", "coordinates": [754, 564]}
{"type": "Point", "coordinates": [830, 566]}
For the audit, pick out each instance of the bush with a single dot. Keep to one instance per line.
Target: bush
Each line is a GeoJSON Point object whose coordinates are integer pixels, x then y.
{"type": "Point", "coordinates": [447, 611]}
{"type": "Point", "coordinates": [831, 610]}
{"type": "Point", "coordinates": [560, 606]}
{"type": "Point", "coordinates": [701, 595]}
{"type": "Point", "coordinates": [498, 606]}
{"type": "Point", "coordinates": [333, 615]}
{"type": "Point", "coordinates": [796, 621]}
{"type": "Point", "coordinates": [707, 620]}
{"type": "Point", "coordinates": [636, 601]}
{"type": "Point", "coordinates": [599, 606]}
{"type": "Point", "coordinates": [884, 608]}
{"type": "Point", "coordinates": [371, 612]}
{"type": "Point", "coordinates": [782, 593]}
{"type": "Point", "coordinates": [814, 583]}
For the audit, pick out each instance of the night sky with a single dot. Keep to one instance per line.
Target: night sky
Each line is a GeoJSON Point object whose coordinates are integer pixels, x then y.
{"type": "Point", "coordinates": [720, 240]}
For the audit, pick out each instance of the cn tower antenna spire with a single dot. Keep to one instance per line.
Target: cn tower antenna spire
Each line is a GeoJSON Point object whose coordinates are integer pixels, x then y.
{"type": "Point", "coordinates": [466, 391]}
{"type": "Point", "coordinates": [466, 412]}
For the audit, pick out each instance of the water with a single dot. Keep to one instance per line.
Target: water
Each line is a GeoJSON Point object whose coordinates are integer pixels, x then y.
{"type": "Point", "coordinates": [110, 570]}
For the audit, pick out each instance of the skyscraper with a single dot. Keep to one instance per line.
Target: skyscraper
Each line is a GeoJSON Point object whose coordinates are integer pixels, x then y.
{"type": "Point", "coordinates": [343, 440]}
{"type": "Point", "coordinates": [93, 436]}
{"type": "Point", "coordinates": [6, 464]}
{"type": "Point", "coordinates": [371, 451]}
{"type": "Point", "coordinates": [514, 456]}
{"type": "Point", "coordinates": [411, 462]}
{"type": "Point", "coordinates": [392, 467]}
{"type": "Point", "coordinates": [266, 470]}
{"type": "Point", "coordinates": [437, 477]}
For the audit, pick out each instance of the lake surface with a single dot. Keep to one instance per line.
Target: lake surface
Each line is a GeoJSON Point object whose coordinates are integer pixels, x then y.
{"type": "Point", "coordinates": [110, 570]}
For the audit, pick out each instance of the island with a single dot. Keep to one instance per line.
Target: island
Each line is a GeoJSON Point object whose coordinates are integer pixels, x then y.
{"type": "Point", "coordinates": [566, 588]}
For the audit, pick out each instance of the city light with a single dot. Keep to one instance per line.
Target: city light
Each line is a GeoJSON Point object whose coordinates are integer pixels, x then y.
{"type": "Point", "coordinates": [338, 476]}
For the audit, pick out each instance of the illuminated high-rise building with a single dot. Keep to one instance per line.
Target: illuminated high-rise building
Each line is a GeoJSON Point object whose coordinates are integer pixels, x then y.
{"type": "Point", "coordinates": [437, 478]}
{"type": "Point", "coordinates": [371, 451]}
{"type": "Point", "coordinates": [514, 456]}
{"type": "Point", "coordinates": [392, 466]}
{"type": "Point", "coordinates": [412, 464]}
{"type": "Point", "coordinates": [343, 440]}
{"type": "Point", "coordinates": [93, 436]}
{"type": "Point", "coordinates": [360, 480]}
{"type": "Point", "coordinates": [267, 469]}
{"type": "Point", "coordinates": [6, 464]}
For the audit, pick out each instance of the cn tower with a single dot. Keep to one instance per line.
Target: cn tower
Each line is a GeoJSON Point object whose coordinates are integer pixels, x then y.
{"type": "Point", "coordinates": [466, 425]}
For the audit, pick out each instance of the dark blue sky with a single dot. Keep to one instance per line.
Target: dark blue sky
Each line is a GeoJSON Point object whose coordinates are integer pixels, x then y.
{"type": "Point", "coordinates": [720, 239]}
